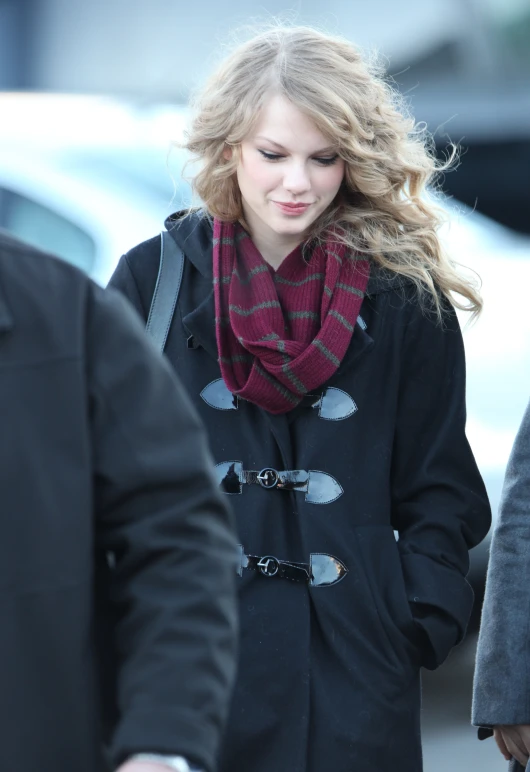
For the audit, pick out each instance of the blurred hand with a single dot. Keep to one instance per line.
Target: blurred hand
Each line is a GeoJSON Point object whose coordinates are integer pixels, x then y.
{"type": "Point", "coordinates": [514, 741]}
{"type": "Point", "coordinates": [142, 766]}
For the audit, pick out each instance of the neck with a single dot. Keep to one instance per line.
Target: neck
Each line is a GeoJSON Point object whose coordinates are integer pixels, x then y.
{"type": "Point", "coordinates": [272, 247]}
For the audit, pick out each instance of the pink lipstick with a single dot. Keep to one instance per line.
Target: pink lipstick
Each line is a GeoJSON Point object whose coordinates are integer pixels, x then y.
{"type": "Point", "coordinates": [292, 209]}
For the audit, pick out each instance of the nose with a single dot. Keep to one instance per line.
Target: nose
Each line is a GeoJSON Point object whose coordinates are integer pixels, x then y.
{"type": "Point", "coordinates": [296, 179]}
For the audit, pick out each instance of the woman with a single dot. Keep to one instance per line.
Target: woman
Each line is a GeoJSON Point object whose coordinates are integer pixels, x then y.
{"type": "Point", "coordinates": [316, 333]}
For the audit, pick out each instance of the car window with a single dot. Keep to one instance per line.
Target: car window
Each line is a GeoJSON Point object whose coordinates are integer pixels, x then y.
{"type": "Point", "coordinates": [47, 229]}
{"type": "Point", "coordinates": [154, 171]}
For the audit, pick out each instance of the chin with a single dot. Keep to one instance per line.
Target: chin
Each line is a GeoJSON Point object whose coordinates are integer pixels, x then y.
{"type": "Point", "coordinates": [292, 231]}
{"type": "Point", "coordinates": [291, 227]}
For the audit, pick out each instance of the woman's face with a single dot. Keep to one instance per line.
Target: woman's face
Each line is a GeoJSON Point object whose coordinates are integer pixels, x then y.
{"type": "Point", "coordinates": [288, 173]}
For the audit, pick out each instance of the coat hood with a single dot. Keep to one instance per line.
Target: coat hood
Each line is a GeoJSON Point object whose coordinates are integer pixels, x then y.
{"type": "Point", "coordinates": [193, 233]}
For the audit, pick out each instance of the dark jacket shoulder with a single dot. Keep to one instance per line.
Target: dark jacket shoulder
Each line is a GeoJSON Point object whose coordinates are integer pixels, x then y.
{"type": "Point", "coordinates": [44, 298]}
{"type": "Point", "coordinates": [51, 305]}
{"type": "Point", "coordinates": [136, 273]}
{"type": "Point", "coordinates": [22, 265]}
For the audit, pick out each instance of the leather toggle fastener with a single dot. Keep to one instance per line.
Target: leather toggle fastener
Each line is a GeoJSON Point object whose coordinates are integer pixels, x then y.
{"type": "Point", "coordinates": [323, 570]}
{"type": "Point", "coordinates": [332, 405]}
{"type": "Point", "coordinates": [268, 478]}
{"type": "Point", "coordinates": [319, 487]}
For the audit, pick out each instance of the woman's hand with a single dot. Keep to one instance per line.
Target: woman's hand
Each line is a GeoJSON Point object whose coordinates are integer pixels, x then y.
{"type": "Point", "coordinates": [514, 741]}
{"type": "Point", "coordinates": [142, 766]}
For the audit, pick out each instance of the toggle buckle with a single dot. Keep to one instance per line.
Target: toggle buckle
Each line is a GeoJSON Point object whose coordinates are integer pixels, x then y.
{"type": "Point", "coordinates": [269, 565]}
{"type": "Point", "coordinates": [268, 478]}
{"type": "Point", "coordinates": [319, 487]}
{"type": "Point", "coordinates": [323, 570]}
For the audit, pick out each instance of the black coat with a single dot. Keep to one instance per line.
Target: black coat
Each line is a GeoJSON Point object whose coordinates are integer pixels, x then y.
{"type": "Point", "coordinates": [329, 673]}
{"type": "Point", "coordinates": [100, 451]}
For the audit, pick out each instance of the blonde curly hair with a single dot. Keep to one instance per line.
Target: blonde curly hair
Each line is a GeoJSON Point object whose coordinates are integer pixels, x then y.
{"type": "Point", "coordinates": [382, 208]}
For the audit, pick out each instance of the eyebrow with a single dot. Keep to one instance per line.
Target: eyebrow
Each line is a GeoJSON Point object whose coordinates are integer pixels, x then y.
{"type": "Point", "coordinates": [329, 149]}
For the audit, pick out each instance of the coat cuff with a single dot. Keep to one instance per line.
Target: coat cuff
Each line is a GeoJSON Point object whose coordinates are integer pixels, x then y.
{"type": "Point", "coordinates": [441, 601]}
{"type": "Point", "coordinates": [167, 732]}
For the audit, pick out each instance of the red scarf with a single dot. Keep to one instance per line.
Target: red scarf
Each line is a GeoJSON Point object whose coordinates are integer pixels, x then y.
{"type": "Point", "coordinates": [281, 335]}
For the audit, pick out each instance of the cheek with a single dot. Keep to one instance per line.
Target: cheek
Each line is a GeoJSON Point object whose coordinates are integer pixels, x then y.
{"type": "Point", "coordinates": [253, 173]}
{"type": "Point", "coordinates": [333, 178]}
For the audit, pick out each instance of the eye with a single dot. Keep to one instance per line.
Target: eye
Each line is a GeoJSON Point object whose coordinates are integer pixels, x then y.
{"type": "Point", "coordinates": [327, 161]}
{"type": "Point", "coordinates": [270, 156]}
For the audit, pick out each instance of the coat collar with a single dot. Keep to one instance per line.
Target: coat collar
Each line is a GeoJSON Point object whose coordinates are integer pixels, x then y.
{"type": "Point", "coordinates": [193, 232]}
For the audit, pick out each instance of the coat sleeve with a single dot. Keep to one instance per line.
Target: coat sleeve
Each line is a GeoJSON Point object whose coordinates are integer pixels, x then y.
{"type": "Point", "coordinates": [160, 515]}
{"type": "Point", "coordinates": [440, 506]}
{"type": "Point", "coordinates": [501, 693]}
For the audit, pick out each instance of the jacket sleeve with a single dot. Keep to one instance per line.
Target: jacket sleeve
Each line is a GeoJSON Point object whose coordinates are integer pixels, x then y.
{"type": "Point", "coordinates": [501, 693]}
{"type": "Point", "coordinates": [160, 515]}
{"type": "Point", "coordinates": [440, 506]}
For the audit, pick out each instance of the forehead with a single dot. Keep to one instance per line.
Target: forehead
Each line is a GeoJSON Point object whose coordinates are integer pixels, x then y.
{"type": "Point", "coordinates": [283, 123]}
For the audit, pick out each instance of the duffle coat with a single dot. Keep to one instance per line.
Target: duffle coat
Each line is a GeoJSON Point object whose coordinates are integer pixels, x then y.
{"type": "Point", "coordinates": [337, 616]}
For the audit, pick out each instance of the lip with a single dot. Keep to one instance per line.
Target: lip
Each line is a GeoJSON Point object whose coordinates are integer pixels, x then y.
{"type": "Point", "coordinates": [291, 209]}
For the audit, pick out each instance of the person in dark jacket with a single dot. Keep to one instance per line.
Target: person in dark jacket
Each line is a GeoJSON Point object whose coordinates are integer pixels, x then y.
{"type": "Point", "coordinates": [316, 334]}
{"type": "Point", "coordinates": [110, 512]}
{"type": "Point", "coordinates": [502, 675]}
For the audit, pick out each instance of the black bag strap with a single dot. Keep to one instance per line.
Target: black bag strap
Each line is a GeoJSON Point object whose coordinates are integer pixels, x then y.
{"type": "Point", "coordinates": [167, 290]}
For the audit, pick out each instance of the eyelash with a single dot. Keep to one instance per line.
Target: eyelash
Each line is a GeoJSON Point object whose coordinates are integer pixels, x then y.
{"type": "Point", "coordinates": [322, 161]}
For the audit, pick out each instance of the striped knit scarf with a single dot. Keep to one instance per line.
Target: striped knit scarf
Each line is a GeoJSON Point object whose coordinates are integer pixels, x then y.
{"type": "Point", "coordinates": [281, 335]}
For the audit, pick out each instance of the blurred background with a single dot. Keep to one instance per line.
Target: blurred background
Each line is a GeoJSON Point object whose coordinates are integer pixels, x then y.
{"type": "Point", "coordinates": [92, 93]}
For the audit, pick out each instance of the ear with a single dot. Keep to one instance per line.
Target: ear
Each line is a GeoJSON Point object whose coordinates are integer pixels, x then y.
{"type": "Point", "coordinates": [227, 153]}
